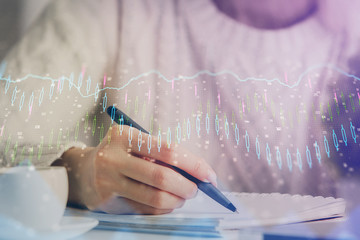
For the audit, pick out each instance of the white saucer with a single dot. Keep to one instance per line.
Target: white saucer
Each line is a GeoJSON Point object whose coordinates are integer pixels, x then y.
{"type": "Point", "coordinates": [69, 227]}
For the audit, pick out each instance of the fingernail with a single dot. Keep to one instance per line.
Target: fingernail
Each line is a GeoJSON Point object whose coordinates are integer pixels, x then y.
{"type": "Point", "coordinates": [195, 193]}
{"type": "Point", "coordinates": [212, 177]}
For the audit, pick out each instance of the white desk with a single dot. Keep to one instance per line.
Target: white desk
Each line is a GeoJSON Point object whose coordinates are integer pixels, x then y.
{"type": "Point", "coordinates": [331, 229]}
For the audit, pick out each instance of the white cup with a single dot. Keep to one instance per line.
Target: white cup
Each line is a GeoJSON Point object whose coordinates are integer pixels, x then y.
{"type": "Point", "coordinates": [34, 196]}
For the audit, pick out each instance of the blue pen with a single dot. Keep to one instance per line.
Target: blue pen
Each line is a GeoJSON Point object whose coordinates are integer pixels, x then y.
{"type": "Point", "coordinates": [121, 118]}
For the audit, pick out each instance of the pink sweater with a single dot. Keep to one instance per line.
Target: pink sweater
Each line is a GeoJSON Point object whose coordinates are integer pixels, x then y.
{"type": "Point", "coordinates": [250, 101]}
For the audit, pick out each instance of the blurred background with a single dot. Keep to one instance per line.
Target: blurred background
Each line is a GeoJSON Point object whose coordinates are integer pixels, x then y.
{"type": "Point", "coordinates": [16, 16]}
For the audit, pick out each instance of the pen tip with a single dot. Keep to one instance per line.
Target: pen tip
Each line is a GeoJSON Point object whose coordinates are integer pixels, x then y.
{"type": "Point", "coordinates": [237, 211]}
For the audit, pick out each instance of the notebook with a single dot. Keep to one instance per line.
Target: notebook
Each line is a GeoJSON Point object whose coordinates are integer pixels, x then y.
{"type": "Point", "coordinates": [203, 216]}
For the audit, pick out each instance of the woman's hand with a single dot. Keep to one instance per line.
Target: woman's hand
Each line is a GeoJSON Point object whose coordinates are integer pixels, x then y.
{"type": "Point", "coordinates": [116, 177]}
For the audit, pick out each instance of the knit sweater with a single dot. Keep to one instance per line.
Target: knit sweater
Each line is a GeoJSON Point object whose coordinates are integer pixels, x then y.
{"type": "Point", "coordinates": [254, 103]}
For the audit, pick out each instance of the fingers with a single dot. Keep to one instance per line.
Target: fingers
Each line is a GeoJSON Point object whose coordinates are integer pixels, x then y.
{"type": "Point", "coordinates": [112, 164]}
{"type": "Point", "coordinates": [174, 156]}
{"type": "Point", "coordinates": [159, 176]}
{"type": "Point", "coordinates": [151, 196]}
{"type": "Point", "coordinates": [140, 193]}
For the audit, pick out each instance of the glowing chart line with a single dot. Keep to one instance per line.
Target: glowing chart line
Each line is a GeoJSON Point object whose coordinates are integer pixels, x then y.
{"type": "Point", "coordinates": [61, 79]}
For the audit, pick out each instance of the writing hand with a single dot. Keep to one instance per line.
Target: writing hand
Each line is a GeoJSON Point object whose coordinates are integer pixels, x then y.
{"type": "Point", "coordinates": [117, 178]}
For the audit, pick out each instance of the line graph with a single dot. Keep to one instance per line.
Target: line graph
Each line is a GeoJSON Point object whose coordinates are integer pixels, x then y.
{"type": "Point", "coordinates": [60, 80]}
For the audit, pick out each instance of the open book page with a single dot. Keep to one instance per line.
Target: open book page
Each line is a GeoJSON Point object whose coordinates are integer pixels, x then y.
{"type": "Point", "coordinates": [262, 209]}
{"type": "Point", "coordinates": [203, 214]}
